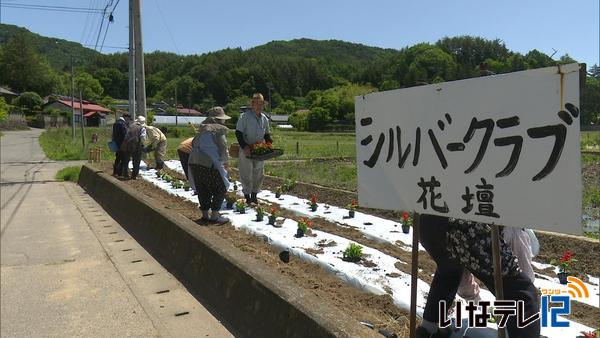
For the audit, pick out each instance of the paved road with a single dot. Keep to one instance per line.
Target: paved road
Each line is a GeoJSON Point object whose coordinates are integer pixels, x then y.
{"type": "Point", "coordinates": [69, 270]}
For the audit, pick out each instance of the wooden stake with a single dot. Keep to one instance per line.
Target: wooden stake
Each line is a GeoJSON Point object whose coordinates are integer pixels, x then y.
{"type": "Point", "coordinates": [497, 269]}
{"type": "Point", "coordinates": [414, 274]}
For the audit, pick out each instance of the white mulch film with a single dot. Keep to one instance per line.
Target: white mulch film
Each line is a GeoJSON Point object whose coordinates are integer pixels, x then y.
{"type": "Point", "coordinates": [381, 279]}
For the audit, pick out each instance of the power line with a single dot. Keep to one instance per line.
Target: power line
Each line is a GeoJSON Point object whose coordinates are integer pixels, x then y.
{"type": "Point", "coordinates": [102, 22]}
{"type": "Point", "coordinates": [90, 34]}
{"type": "Point", "coordinates": [167, 26]}
{"type": "Point", "coordinates": [52, 8]}
{"type": "Point", "coordinates": [110, 20]}
{"type": "Point", "coordinates": [85, 25]}
{"type": "Point", "coordinates": [112, 47]}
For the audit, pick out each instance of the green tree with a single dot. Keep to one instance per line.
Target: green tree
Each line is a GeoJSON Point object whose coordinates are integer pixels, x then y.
{"type": "Point", "coordinates": [594, 71]}
{"type": "Point", "coordinates": [590, 103]}
{"type": "Point", "coordinates": [299, 119]}
{"type": "Point", "coordinates": [427, 62]}
{"type": "Point", "coordinates": [29, 102]}
{"type": "Point", "coordinates": [317, 119]}
{"type": "Point", "coordinates": [22, 68]}
{"type": "Point", "coordinates": [4, 109]}
{"type": "Point", "coordinates": [90, 86]}
{"type": "Point", "coordinates": [537, 59]}
{"type": "Point", "coordinates": [287, 106]}
{"type": "Point", "coordinates": [470, 51]}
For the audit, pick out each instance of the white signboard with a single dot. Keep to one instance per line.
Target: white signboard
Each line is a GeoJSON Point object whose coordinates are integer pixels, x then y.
{"type": "Point", "coordinates": [500, 149]}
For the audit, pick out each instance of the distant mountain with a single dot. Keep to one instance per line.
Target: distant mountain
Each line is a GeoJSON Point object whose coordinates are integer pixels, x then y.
{"type": "Point", "coordinates": [57, 51]}
{"type": "Point", "coordinates": [327, 50]}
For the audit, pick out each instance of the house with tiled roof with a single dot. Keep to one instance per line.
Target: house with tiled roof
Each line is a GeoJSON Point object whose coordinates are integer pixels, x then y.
{"type": "Point", "coordinates": [94, 114]}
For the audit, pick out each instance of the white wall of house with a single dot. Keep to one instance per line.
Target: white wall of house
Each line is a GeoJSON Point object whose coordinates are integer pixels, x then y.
{"type": "Point", "coordinates": [181, 120]}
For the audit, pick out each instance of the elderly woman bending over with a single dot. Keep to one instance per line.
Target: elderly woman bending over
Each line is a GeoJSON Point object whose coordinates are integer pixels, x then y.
{"type": "Point", "coordinates": [209, 162]}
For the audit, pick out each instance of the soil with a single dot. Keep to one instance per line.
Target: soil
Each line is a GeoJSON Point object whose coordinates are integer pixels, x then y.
{"type": "Point", "coordinates": [362, 306]}
{"type": "Point", "coordinates": [377, 310]}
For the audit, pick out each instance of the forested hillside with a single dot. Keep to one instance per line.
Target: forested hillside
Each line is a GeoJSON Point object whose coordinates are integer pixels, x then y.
{"type": "Point", "coordinates": [302, 73]}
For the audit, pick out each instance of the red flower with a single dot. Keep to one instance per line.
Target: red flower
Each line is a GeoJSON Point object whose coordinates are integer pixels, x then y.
{"type": "Point", "coordinates": [313, 200]}
{"type": "Point", "coordinates": [567, 256]}
{"type": "Point", "coordinates": [405, 215]}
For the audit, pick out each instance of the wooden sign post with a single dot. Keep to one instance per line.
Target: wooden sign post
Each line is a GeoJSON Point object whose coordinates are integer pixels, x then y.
{"type": "Point", "coordinates": [414, 278]}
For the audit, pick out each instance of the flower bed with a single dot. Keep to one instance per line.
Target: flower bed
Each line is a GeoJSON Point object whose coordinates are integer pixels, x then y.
{"type": "Point", "coordinates": [331, 257]}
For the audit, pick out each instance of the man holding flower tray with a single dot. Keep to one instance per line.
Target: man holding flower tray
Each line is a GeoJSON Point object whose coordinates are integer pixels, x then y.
{"type": "Point", "coordinates": [252, 132]}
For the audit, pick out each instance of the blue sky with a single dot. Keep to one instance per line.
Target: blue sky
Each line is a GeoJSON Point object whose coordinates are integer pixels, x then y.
{"type": "Point", "coordinates": [195, 27]}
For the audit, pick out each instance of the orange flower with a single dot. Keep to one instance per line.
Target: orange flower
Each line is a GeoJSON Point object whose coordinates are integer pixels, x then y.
{"type": "Point", "coordinates": [313, 200]}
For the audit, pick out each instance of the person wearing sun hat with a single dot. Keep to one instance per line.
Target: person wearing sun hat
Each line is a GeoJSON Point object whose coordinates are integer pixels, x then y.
{"type": "Point", "coordinates": [209, 162]}
{"type": "Point", "coordinates": [133, 143]}
{"type": "Point", "coordinates": [156, 141]}
{"type": "Point", "coordinates": [252, 127]}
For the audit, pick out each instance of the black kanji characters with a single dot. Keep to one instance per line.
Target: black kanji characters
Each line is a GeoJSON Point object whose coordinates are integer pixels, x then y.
{"type": "Point", "coordinates": [431, 185]}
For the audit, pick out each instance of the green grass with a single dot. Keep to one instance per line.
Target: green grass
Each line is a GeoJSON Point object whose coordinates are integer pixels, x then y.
{"type": "Point", "coordinates": [69, 174]}
{"type": "Point", "coordinates": [59, 145]}
{"type": "Point", "coordinates": [590, 140]}
{"type": "Point", "coordinates": [334, 173]}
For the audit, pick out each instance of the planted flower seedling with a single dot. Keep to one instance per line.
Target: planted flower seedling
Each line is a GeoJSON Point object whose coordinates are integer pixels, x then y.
{"type": "Point", "coordinates": [353, 253]}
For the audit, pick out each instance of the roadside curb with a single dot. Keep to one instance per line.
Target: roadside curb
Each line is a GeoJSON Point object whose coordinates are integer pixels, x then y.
{"type": "Point", "coordinates": [254, 300]}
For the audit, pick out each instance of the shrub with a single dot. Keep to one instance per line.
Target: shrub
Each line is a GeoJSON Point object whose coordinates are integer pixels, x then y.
{"type": "Point", "coordinates": [29, 102]}
{"type": "Point", "coordinates": [288, 184]}
{"type": "Point", "coordinates": [69, 174]}
{"type": "Point", "coordinates": [317, 119]}
{"type": "Point", "coordinates": [13, 122]}
{"type": "Point", "coordinates": [299, 120]}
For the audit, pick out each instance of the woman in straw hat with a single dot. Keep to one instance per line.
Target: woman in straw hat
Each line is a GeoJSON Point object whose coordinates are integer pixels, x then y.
{"type": "Point", "coordinates": [209, 162]}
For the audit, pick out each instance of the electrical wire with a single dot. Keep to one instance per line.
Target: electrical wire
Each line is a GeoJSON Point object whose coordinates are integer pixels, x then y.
{"type": "Point", "coordinates": [112, 47]}
{"type": "Point", "coordinates": [110, 20]}
{"type": "Point", "coordinates": [52, 8]}
{"type": "Point", "coordinates": [102, 22]}
{"type": "Point", "coordinates": [167, 26]}
{"type": "Point", "coordinates": [86, 24]}
{"type": "Point", "coordinates": [95, 20]}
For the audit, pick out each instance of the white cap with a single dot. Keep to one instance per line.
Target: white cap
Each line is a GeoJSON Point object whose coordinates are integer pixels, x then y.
{"type": "Point", "coordinates": [141, 119]}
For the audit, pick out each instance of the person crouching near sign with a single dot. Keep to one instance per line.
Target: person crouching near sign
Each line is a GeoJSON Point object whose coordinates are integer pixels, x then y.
{"type": "Point", "coordinates": [252, 127]}
{"type": "Point", "coordinates": [209, 162]}
{"type": "Point", "coordinates": [457, 245]}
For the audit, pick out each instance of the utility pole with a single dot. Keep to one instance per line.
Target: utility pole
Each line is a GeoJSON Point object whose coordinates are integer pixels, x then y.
{"type": "Point", "coordinates": [189, 96]}
{"type": "Point", "coordinates": [131, 62]}
{"type": "Point", "coordinates": [139, 60]}
{"type": "Point", "coordinates": [176, 111]}
{"type": "Point", "coordinates": [72, 102]}
{"type": "Point", "coordinates": [81, 110]}
{"type": "Point", "coordinates": [270, 86]}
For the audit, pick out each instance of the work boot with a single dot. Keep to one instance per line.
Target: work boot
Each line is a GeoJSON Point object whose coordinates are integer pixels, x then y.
{"type": "Point", "coordinates": [248, 199]}
{"type": "Point", "coordinates": [253, 198]}
{"type": "Point", "coordinates": [215, 217]}
{"type": "Point", "coordinates": [205, 216]}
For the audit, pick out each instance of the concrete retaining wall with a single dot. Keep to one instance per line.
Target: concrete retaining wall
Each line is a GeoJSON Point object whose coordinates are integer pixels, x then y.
{"type": "Point", "coordinates": [252, 299]}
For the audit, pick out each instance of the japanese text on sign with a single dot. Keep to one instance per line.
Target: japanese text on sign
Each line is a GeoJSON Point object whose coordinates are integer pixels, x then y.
{"type": "Point", "coordinates": [502, 149]}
